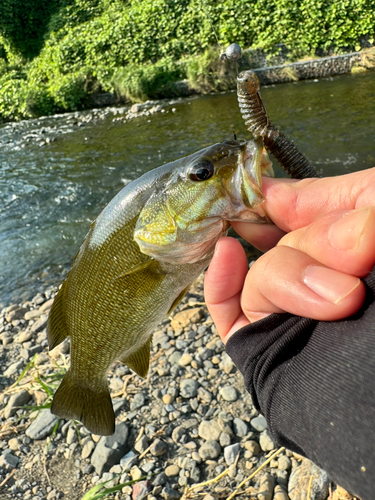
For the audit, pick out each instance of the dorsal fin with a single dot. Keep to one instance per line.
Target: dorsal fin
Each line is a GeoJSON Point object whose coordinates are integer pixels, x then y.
{"type": "Point", "coordinates": [56, 325]}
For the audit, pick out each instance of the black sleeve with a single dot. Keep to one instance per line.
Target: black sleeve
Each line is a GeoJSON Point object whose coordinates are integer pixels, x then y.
{"type": "Point", "coordinates": [315, 384]}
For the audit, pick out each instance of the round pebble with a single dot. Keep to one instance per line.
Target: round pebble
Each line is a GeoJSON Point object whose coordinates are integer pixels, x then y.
{"type": "Point", "coordinates": [228, 393]}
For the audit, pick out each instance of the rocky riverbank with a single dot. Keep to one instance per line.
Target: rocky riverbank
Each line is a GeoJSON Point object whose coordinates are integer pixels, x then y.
{"type": "Point", "coordinates": [189, 421]}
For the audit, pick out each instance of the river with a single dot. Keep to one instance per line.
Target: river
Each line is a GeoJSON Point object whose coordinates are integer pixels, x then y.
{"type": "Point", "coordinates": [57, 173]}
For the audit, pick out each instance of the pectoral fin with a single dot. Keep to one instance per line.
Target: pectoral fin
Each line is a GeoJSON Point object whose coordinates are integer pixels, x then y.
{"type": "Point", "coordinates": [151, 265]}
{"type": "Point", "coordinates": [56, 326]}
{"type": "Point", "coordinates": [178, 299]}
{"type": "Point", "coordinates": [140, 360]}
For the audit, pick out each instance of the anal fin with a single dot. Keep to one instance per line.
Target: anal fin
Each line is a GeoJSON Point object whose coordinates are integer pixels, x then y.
{"type": "Point", "coordinates": [56, 325]}
{"type": "Point", "coordinates": [139, 361]}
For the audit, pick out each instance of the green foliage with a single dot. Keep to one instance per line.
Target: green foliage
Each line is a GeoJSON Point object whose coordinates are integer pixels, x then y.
{"type": "Point", "coordinates": [63, 50]}
{"type": "Point", "coordinates": [207, 73]}
{"type": "Point", "coordinates": [24, 22]}
{"type": "Point", "coordinates": [149, 81]}
{"type": "Point", "coordinates": [12, 95]}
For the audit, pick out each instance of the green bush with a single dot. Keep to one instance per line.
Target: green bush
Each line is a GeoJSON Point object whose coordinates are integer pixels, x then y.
{"type": "Point", "coordinates": [151, 81]}
{"type": "Point", "coordinates": [12, 95]}
{"type": "Point", "coordinates": [207, 73]}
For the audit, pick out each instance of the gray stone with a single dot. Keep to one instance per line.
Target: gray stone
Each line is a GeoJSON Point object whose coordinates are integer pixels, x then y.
{"type": "Point", "coordinates": [118, 405]}
{"type": "Point", "coordinates": [175, 357]}
{"type": "Point", "coordinates": [204, 353]}
{"type": "Point", "coordinates": [160, 479]}
{"type": "Point", "coordinates": [170, 494]}
{"type": "Point", "coordinates": [231, 452]}
{"type": "Point", "coordinates": [128, 460]}
{"type": "Point", "coordinates": [266, 442]}
{"type": "Point", "coordinates": [24, 336]}
{"type": "Point", "coordinates": [226, 364]}
{"type": "Point", "coordinates": [13, 368]}
{"type": "Point", "coordinates": [138, 401]}
{"type": "Point", "coordinates": [225, 422]}
{"type": "Point", "coordinates": [142, 444]}
{"type": "Point", "coordinates": [259, 423]}
{"type": "Point", "coordinates": [15, 314]}
{"type": "Point", "coordinates": [240, 427]}
{"type": "Point", "coordinates": [39, 325]}
{"type": "Point", "coordinates": [190, 423]}
{"type": "Point", "coordinates": [225, 439]}
{"type": "Point", "coordinates": [116, 384]}
{"type": "Point", "coordinates": [204, 395]}
{"type": "Point", "coordinates": [110, 449]}
{"type": "Point", "coordinates": [229, 393]}
{"type": "Point", "coordinates": [188, 388]}
{"type": "Point", "coordinates": [284, 463]}
{"type": "Point", "coordinates": [87, 449]}
{"type": "Point", "coordinates": [33, 314]}
{"type": "Point", "coordinates": [8, 460]}
{"type": "Point", "coordinates": [160, 338]}
{"type": "Point", "coordinates": [280, 494]}
{"type": "Point", "coordinates": [177, 433]}
{"type": "Point", "coordinates": [282, 478]}
{"type": "Point", "coordinates": [209, 430]}
{"type": "Point", "coordinates": [42, 426]}
{"type": "Point", "coordinates": [266, 487]}
{"type": "Point", "coordinates": [158, 448]}
{"type": "Point", "coordinates": [47, 305]}
{"type": "Point", "coordinates": [15, 401]}
{"type": "Point", "coordinates": [71, 435]}
{"type": "Point", "coordinates": [195, 474]}
{"type": "Point", "coordinates": [252, 447]}
{"type": "Point", "coordinates": [209, 450]}
{"type": "Point", "coordinates": [300, 479]}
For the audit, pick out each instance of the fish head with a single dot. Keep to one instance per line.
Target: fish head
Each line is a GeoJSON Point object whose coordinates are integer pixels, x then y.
{"type": "Point", "coordinates": [182, 221]}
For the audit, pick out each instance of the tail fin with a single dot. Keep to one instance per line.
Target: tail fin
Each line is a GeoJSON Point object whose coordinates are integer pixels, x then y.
{"type": "Point", "coordinates": [93, 409]}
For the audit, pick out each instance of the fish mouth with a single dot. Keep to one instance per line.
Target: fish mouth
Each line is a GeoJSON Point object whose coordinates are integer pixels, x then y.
{"type": "Point", "coordinates": [245, 186]}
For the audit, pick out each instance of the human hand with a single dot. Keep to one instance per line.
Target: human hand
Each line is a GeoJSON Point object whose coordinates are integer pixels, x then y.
{"type": "Point", "coordinates": [322, 242]}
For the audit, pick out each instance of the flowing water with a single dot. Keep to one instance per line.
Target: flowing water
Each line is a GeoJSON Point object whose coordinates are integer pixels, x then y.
{"type": "Point", "coordinates": [57, 173]}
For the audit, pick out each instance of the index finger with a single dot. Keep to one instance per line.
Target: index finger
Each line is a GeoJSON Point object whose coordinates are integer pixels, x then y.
{"type": "Point", "coordinates": [292, 204]}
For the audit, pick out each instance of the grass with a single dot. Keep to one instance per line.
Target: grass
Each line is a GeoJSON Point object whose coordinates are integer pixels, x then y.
{"type": "Point", "coordinates": [100, 491]}
{"type": "Point", "coordinates": [238, 491]}
{"type": "Point", "coordinates": [43, 377]}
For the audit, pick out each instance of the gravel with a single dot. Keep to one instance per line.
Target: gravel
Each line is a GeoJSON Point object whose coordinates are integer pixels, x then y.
{"type": "Point", "coordinates": [186, 423]}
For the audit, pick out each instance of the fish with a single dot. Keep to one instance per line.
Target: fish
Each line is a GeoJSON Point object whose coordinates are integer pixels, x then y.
{"type": "Point", "coordinates": [138, 260]}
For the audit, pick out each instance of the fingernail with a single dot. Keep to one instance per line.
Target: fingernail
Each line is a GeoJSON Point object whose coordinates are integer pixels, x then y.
{"type": "Point", "coordinates": [346, 233]}
{"type": "Point", "coordinates": [331, 285]}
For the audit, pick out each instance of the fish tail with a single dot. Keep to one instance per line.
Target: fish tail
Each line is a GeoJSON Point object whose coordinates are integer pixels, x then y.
{"type": "Point", "coordinates": [91, 407]}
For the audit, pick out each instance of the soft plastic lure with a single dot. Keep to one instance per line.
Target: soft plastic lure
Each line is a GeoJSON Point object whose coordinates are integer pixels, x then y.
{"type": "Point", "coordinates": [257, 121]}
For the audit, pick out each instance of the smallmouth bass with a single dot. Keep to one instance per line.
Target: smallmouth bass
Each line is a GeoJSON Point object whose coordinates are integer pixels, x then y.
{"type": "Point", "coordinates": [137, 262]}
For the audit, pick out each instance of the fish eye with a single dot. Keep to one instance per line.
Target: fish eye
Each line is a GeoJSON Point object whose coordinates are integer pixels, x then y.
{"type": "Point", "coordinates": [202, 171]}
